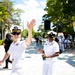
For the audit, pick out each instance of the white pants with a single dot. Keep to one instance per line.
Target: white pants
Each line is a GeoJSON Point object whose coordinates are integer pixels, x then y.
{"type": "Point", "coordinates": [18, 67]}
{"type": "Point", "coordinates": [49, 68]}
{"type": "Point", "coordinates": [61, 46]}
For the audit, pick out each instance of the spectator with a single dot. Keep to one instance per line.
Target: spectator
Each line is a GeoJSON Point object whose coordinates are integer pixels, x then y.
{"type": "Point", "coordinates": [61, 43]}
{"type": "Point", "coordinates": [7, 42]}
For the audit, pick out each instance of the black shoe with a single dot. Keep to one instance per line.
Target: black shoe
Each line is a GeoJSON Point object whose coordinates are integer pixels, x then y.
{"type": "Point", "coordinates": [5, 67]}
{"type": "Point", "coordinates": [10, 61]}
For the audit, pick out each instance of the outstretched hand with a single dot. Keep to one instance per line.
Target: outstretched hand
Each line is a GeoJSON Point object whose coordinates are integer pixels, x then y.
{"type": "Point", "coordinates": [40, 51]}
{"type": "Point", "coordinates": [31, 24]}
{"type": "Point", "coordinates": [1, 63]}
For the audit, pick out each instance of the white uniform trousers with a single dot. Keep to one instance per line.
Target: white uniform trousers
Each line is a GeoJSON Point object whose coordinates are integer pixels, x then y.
{"type": "Point", "coordinates": [49, 68]}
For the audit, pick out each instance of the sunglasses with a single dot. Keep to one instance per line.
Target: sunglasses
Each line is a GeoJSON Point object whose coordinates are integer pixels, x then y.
{"type": "Point", "coordinates": [15, 33]}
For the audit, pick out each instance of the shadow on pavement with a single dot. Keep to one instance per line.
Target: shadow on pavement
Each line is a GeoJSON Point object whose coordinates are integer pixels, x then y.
{"type": "Point", "coordinates": [33, 48]}
{"type": "Point", "coordinates": [70, 59]}
{"type": "Point", "coordinates": [1, 69]}
{"type": "Point", "coordinates": [67, 57]}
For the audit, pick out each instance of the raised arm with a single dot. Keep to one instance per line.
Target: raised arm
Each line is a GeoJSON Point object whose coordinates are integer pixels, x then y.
{"type": "Point", "coordinates": [30, 26]}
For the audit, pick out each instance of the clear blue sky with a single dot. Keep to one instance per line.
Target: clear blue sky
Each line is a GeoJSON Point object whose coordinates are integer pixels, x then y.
{"type": "Point", "coordinates": [21, 1]}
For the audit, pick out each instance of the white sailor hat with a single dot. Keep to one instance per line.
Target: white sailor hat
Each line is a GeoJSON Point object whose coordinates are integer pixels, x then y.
{"type": "Point", "coordinates": [52, 32]}
{"type": "Point", "coordinates": [51, 35]}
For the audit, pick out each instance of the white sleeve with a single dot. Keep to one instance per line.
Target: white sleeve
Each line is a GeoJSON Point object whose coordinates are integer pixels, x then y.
{"type": "Point", "coordinates": [56, 48]}
{"type": "Point", "coordinates": [45, 44]}
{"type": "Point", "coordinates": [24, 44]}
{"type": "Point", "coordinates": [10, 51]}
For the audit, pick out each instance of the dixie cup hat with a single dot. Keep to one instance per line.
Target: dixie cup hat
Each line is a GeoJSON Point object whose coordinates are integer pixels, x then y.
{"type": "Point", "coordinates": [51, 35]}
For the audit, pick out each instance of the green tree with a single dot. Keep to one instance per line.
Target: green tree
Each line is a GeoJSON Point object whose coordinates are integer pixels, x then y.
{"type": "Point", "coordinates": [9, 15]}
{"type": "Point", "coordinates": [24, 33]}
{"type": "Point", "coordinates": [33, 32]}
{"type": "Point", "coordinates": [41, 29]}
{"type": "Point", "coordinates": [3, 16]}
{"type": "Point", "coordinates": [16, 16]}
{"type": "Point", "coordinates": [61, 13]}
{"type": "Point", "coordinates": [14, 13]}
{"type": "Point", "coordinates": [3, 13]}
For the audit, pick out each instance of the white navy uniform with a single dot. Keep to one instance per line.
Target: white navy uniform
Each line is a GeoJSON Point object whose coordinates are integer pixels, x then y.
{"type": "Point", "coordinates": [61, 43]}
{"type": "Point", "coordinates": [17, 50]}
{"type": "Point", "coordinates": [49, 65]}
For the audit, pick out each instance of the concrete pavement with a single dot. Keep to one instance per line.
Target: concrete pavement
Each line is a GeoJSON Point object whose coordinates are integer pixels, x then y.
{"type": "Point", "coordinates": [33, 62]}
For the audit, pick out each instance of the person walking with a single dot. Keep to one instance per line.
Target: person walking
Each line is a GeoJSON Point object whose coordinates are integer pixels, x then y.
{"type": "Point", "coordinates": [49, 54]}
{"type": "Point", "coordinates": [7, 42]}
{"type": "Point", "coordinates": [40, 40]}
{"type": "Point", "coordinates": [61, 44]}
{"type": "Point", "coordinates": [17, 49]}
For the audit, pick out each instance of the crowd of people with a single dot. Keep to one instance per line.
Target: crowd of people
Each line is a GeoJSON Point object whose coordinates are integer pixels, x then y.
{"type": "Point", "coordinates": [39, 40]}
{"type": "Point", "coordinates": [65, 42]}
{"type": "Point", "coordinates": [16, 47]}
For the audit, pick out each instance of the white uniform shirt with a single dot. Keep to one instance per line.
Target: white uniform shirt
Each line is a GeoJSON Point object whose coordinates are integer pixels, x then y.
{"type": "Point", "coordinates": [17, 50]}
{"type": "Point", "coordinates": [50, 48]}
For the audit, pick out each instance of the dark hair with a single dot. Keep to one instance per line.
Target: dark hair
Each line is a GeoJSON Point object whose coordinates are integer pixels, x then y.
{"type": "Point", "coordinates": [8, 36]}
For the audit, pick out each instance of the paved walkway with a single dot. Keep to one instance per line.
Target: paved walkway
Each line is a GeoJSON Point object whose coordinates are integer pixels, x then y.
{"type": "Point", "coordinates": [66, 62]}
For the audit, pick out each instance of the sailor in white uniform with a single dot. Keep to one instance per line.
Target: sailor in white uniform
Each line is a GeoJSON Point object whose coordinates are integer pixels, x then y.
{"type": "Point", "coordinates": [17, 49]}
{"type": "Point", "coordinates": [50, 53]}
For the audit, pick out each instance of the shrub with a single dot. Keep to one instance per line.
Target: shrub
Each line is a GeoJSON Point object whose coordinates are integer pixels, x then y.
{"type": "Point", "coordinates": [1, 42]}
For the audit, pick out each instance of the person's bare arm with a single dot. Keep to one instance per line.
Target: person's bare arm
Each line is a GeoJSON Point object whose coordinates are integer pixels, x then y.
{"type": "Point", "coordinates": [40, 51]}
{"type": "Point", "coordinates": [3, 44]}
{"type": "Point", "coordinates": [30, 26]}
{"type": "Point", "coordinates": [53, 55]}
{"type": "Point", "coordinates": [5, 57]}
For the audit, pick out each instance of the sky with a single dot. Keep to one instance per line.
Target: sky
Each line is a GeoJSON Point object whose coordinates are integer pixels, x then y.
{"type": "Point", "coordinates": [33, 9]}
